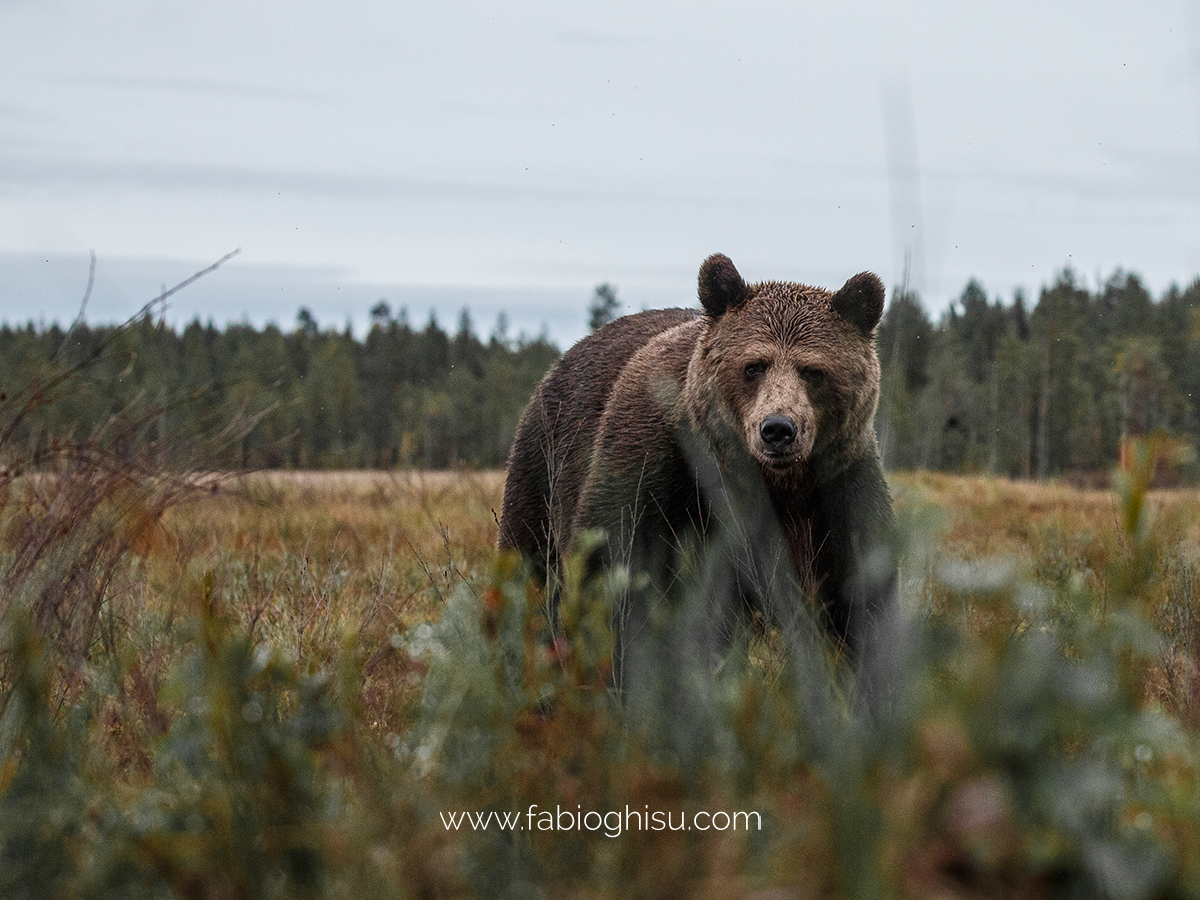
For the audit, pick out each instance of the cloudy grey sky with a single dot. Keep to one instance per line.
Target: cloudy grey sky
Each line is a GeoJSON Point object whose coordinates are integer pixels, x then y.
{"type": "Point", "coordinates": [513, 155]}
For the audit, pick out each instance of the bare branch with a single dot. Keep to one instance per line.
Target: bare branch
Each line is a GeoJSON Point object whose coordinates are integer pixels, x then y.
{"type": "Point", "coordinates": [42, 395]}
{"type": "Point", "coordinates": [87, 295]}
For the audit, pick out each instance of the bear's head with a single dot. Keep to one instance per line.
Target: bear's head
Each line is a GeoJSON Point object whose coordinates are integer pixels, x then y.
{"type": "Point", "coordinates": [786, 372]}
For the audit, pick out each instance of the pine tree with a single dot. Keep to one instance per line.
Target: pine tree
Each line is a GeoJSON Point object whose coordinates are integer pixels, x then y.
{"type": "Point", "coordinates": [604, 306]}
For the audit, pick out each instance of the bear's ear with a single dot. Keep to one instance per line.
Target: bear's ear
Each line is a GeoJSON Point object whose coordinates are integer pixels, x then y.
{"type": "Point", "coordinates": [721, 287]}
{"type": "Point", "coordinates": [860, 301]}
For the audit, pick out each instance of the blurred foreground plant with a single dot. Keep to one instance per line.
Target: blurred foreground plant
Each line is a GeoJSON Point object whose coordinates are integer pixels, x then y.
{"type": "Point", "coordinates": [1016, 759]}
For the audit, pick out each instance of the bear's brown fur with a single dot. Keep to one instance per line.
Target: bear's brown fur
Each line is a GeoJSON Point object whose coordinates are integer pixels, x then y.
{"type": "Point", "coordinates": [743, 431]}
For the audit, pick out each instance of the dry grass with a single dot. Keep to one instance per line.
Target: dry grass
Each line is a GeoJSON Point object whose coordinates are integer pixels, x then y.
{"type": "Point", "coordinates": [1052, 528]}
{"type": "Point", "coordinates": [991, 516]}
{"type": "Point", "coordinates": [423, 532]}
{"type": "Point", "coordinates": [363, 517]}
{"type": "Point", "coordinates": [1072, 541]}
{"type": "Point", "coordinates": [315, 562]}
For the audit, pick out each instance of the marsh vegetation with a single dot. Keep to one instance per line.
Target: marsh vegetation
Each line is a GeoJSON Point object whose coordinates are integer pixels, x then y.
{"type": "Point", "coordinates": [276, 684]}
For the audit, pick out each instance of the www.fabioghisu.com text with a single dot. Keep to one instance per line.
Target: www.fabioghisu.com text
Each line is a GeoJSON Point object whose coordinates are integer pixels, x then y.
{"type": "Point", "coordinates": [612, 823]}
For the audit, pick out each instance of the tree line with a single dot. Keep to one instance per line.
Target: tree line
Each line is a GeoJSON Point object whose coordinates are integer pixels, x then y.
{"type": "Point", "coordinates": [992, 386]}
{"type": "Point", "coordinates": [307, 398]}
{"type": "Point", "coordinates": [1001, 388]}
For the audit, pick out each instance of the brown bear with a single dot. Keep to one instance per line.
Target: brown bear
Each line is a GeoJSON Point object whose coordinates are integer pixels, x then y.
{"type": "Point", "coordinates": [731, 447]}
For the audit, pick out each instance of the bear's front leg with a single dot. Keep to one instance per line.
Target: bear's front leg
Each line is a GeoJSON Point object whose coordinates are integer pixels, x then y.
{"type": "Point", "coordinates": [854, 531]}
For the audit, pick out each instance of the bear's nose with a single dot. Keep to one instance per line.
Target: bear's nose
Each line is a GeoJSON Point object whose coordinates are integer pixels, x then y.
{"type": "Point", "coordinates": [777, 431]}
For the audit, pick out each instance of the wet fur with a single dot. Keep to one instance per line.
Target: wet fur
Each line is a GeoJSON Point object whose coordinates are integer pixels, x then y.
{"type": "Point", "coordinates": [650, 429]}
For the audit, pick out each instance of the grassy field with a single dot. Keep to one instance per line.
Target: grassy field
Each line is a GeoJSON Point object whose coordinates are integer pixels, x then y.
{"type": "Point", "coordinates": [374, 551]}
{"type": "Point", "coordinates": [277, 685]}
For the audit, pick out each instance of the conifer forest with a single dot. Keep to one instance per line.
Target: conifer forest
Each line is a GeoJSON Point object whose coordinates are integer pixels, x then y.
{"type": "Point", "coordinates": [1008, 386]}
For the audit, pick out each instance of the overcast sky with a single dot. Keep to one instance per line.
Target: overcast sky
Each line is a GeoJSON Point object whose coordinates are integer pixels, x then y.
{"type": "Point", "coordinates": [513, 155]}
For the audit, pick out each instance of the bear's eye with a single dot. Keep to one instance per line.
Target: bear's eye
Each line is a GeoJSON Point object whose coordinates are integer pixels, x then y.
{"type": "Point", "coordinates": [754, 369]}
{"type": "Point", "coordinates": [815, 377]}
